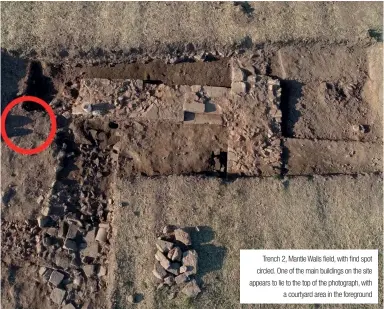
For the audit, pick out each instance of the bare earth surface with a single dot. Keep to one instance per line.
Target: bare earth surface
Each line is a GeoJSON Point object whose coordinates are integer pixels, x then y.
{"type": "Point", "coordinates": [253, 125]}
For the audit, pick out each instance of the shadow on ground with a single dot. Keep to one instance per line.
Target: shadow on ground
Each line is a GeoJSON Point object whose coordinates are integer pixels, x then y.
{"type": "Point", "coordinates": [12, 71]}
{"type": "Point", "coordinates": [211, 257]}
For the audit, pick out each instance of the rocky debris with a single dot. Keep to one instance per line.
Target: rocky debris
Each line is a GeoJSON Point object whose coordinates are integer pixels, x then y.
{"type": "Point", "coordinates": [178, 264]}
{"type": "Point", "coordinates": [57, 296]}
{"type": "Point", "coordinates": [183, 237]}
{"type": "Point", "coordinates": [191, 289]}
{"type": "Point", "coordinates": [42, 270]}
{"type": "Point", "coordinates": [72, 231]}
{"type": "Point", "coordinates": [181, 278]}
{"type": "Point", "coordinates": [102, 271]}
{"type": "Point", "coordinates": [183, 269]}
{"type": "Point", "coordinates": [21, 240]}
{"type": "Point", "coordinates": [56, 278]}
{"type": "Point", "coordinates": [175, 254]}
{"type": "Point", "coordinates": [164, 262]}
{"type": "Point", "coordinates": [70, 245]}
{"type": "Point", "coordinates": [159, 271]}
{"type": "Point", "coordinates": [62, 239]}
{"type": "Point", "coordinates": [47, 275]}
{"type": "Point", "coordinates": [89, 270]}
{"type": "Point", "coordinates": [128, 98]}
{"type": "Point", "coordinates": [101, 235]}
{"type": "Point", "coordinates": [190, 262]}
{"type": "Point", "coordinates": [164, 246]}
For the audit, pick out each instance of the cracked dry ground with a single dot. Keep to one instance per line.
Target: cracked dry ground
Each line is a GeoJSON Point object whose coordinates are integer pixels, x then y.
{"type": "Point", "coordinates": [279, 147]}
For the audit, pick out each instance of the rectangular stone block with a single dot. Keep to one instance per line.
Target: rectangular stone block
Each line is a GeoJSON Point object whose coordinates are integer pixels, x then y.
{"type": "Point", "coordinates": [309, 157]}
{"type": "Point", "coordinates": [334, 111]}
{"type": "Point", "coordinates": [194, 118]}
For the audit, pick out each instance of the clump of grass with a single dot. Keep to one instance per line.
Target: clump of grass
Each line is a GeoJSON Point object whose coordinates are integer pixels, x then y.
{"type": "Point", "coordinates": [376, 34]}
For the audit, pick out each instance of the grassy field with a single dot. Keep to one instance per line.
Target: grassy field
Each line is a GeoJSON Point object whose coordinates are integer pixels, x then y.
{"type": "Point", "coordinates": [340, 212]}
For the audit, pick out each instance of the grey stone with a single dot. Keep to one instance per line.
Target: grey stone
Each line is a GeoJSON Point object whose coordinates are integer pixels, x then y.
{"type": "Point", "coordinates": [62, 227]}
{"type": "Point", "coordinates": [42, 270]}
{"type": "Point", "coordinates": [164, 246]}
{"type": "Point", "coordinates": [56, 278]}
{"type": "Point", "coordinates": [101, 235]}
{"type": "Point", "coordinates": [47, 241]}
{"type": "Point", "coordinates": [91, 250]}
{"type": "Point", "coordinates": [89, 270]}
{"type": "Point", "coordinates": [62, 260]}
{"type": "Point", "coordinates": [191, 289]}
{"type": "Point", "coordinates": [72, 231]}
{"type": "Point", "coordinates": [70, 245]}
{"type": "Point", "coordinates": [163, 260]}
{"type": "Point", "coordinates": [175, 254]}
{"type": "Point", "coordinates": [52, 231]}
{"type": "Point", "coordinates": [131, 299]}
{"type": "Point", "coordinates": [183, 237]}
{"type": "Point", "coordinates": [159, 271]}
{"type": "Point", "coordinates": [102, 271]}
{"type": "Point", "coordinates": [104, 225]}
{"type": "Point", "coordinates": [190, 258]}
{"type": "Point", "coordinates": [57, 296]}
{"type": "Point", "coordinates": [47, 275]}
{"type": "Point", "coordinates": [183, 269]}
{"type": "Point", "coordinates": [181, 278]}
{"type": "Point", "coordinates": [78, 280]}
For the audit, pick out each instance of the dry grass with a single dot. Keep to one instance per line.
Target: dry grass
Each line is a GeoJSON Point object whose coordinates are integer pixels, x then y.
{"type": "Point", "coordinates": [340, 212]}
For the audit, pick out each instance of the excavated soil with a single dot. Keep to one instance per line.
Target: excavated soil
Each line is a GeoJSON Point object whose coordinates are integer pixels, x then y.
{"type": "Point", "coordinates": [272, 146]}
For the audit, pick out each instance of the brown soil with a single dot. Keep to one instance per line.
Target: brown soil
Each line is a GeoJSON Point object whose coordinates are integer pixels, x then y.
{"type": "Point", "coordinates": [202, 141]}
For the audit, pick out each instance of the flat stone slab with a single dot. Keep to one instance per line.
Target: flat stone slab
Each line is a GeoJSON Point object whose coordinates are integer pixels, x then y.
{"type": "Point", "coordinates": [307, 157]}
{"type": "Point", "coordinates": [57, 296]}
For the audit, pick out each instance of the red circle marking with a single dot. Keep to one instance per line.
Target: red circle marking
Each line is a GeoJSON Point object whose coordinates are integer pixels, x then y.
{"type": "Point", "coordinates": [52, 132]}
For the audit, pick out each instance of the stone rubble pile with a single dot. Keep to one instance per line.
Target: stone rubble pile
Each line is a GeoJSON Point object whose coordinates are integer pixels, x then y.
{"type": "Point", "coordinates": [176, 262]}
{"type": "Point", "coordinates": [72, 240]}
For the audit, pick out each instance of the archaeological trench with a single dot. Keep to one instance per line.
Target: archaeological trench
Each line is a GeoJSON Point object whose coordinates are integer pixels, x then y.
{"type": "Point", "coordinates": [179, 162]}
